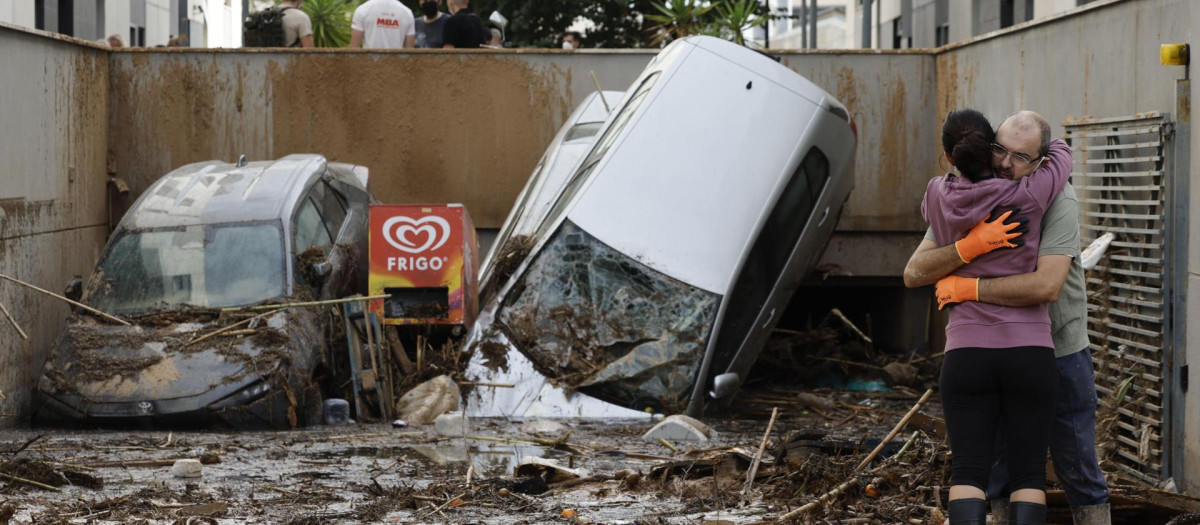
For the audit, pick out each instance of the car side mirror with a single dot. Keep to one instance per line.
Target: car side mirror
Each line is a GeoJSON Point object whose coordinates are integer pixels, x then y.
{"type": "Point", "coordinates": [74, 289]}
{"type": "Point", "coordinates": [724, 385]}
{"type": "Point", "coordinates": [321, 269]}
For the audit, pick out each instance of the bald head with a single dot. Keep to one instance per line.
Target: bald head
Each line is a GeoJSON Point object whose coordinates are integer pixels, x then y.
{"type": "Point", "coordinates": [1026, 135]}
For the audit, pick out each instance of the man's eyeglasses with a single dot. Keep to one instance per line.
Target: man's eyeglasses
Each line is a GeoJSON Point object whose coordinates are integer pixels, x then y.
{"type": "Point", "coordinates": [1018, 159]}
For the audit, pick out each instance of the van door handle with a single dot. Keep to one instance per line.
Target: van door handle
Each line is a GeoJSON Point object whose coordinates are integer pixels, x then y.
{"type": "Point", "coordinates": [769, 318]}
{"type": "Point", "coordinates": [824, 215]}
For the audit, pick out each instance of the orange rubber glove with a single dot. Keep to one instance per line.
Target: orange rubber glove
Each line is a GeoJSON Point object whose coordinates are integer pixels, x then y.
{"type": "Point", "coordinates": [954, 289]}
{"type": "Point", "coordinates": [987, 236]}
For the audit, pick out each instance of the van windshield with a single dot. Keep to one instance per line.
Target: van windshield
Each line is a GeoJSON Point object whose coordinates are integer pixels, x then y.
{"type": "Point", "coordinates": [595, 319]}
{"type": "Point", "coordinates": [206, 265]}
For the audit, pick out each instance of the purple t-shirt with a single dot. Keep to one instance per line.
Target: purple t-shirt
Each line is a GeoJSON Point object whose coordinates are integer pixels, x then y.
{"type": "Point", "coordinates": [953, 205]}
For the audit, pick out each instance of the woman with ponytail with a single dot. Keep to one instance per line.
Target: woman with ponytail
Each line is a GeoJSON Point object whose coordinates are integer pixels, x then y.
{"type": "Point", "coordinates": [999, 371]}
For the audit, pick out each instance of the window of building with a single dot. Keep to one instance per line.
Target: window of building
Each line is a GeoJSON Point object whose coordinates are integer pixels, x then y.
{"type": "Point", "coordinates": [1028, 10]}
{"type": "Point", "coordinates": [941, 22]}
{"type": "Point", "coordinates": [66, 17]}
{"type": "Point", "coordinates": [1006, 13]}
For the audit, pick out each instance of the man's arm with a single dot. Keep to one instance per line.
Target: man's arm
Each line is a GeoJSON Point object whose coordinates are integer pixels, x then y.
{"type": "Point", "coordinates": [930, 263]}
{"type": "Point", "coordinates": [356, 39]}
{"type": "Point", "coordinates": [306, 41]}
{"type": "Point", "coordinates": [1028, 289]}
{"type": "Point", "coordinates": [410, 41]}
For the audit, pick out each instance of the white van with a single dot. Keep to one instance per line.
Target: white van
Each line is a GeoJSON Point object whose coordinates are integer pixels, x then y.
{"type": "Point", "coordinates": [666, 260]}
{"type": "Point", "coordinates": [553, 171]}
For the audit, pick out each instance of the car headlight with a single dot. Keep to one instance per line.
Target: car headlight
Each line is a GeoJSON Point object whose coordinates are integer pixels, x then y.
{"type": "Point", "coordinates": [255, 391]}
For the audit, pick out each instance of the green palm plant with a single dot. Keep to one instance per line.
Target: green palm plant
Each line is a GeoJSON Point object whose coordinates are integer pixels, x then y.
{"type": "Point", "coordinates": [330, 21]}
{"type": "Point", "coordinates": [735, 17]}
{"type": "Point", "coordinates": [679, 18]}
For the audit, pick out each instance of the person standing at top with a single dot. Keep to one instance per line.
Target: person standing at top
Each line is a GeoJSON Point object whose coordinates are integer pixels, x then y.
{"type": "Point", "coordinates": [463, 29]}
{"type": "Point", "coordinates": [429, 26]}
{"type": "Point", "coordinates": [572, 40]}
{"type": "Point", "coordinates": [382, 24]}
{"type": "Point", "coordinates": [297, 26]}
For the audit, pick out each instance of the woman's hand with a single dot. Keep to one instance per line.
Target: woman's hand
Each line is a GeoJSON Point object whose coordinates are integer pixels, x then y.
{"type": "Point", "coordinates": [987, 236]}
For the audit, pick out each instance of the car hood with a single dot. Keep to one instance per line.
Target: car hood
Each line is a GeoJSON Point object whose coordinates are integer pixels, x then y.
{"type": "Point", "coordinates": [105, 364]}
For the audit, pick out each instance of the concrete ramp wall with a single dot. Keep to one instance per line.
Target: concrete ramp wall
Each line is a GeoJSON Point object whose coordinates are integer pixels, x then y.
{"type": "Point", "coordinates": [53, 216]}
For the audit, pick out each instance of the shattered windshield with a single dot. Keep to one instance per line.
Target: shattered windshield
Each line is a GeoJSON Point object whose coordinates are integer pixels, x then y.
{"type": "Point", "coordinates": [202, 265]}
{"type": "Point", "coordinates": [597, 320]}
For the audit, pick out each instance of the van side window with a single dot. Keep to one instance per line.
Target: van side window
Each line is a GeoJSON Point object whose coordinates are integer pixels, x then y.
{"type": "Point", "coordinates": [309, 229]}
{"type": "Point", "coordinates": [771, 252]}
{"type": "Point", "coordinates": [330, 206]}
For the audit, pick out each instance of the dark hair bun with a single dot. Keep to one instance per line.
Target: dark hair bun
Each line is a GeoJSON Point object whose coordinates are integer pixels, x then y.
{"type": "Point", "coordinates": [967, 138]}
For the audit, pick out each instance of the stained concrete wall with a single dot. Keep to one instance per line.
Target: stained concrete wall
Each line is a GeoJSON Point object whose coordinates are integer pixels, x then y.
{"type": "Point", "coordinates": [53, 216]}
{"type": "Point", "coordinates": [431, 126]}
{"type": "Point", "coordinates": [437, 126]}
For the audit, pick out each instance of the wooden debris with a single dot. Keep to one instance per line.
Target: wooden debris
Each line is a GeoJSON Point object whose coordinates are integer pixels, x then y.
{"type": "Point", "coordinates": [668, 444]}
{"type": "Point", "coordinates": [61, 298]}
{"type": "Point", "coordinates": [280, 306]}
{"type": "Point", "coordinates": [227, 328]}
{"type": "Point", "coordinates": [866, 461]}
{"type": "Point", "coordinates": [579, 481]}
{"type": "Point", "coordinates": [31, 483]}
{"type": "Point", "coordinates": [761, 448]}
{"type": "Point", "coordinates": [846, 321]}
{"type": "Point", "coordinates": [899, 426]}
{"type": "Point", "coordinates": [14, 322]}
{"type": "Point", "coordinates": [206, 459]}
{"type": "Point", "coordinates": [854, 480]}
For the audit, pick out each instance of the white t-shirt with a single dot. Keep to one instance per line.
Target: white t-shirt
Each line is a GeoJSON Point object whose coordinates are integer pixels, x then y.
{"type": "Point", "coordinates": [384, 24]}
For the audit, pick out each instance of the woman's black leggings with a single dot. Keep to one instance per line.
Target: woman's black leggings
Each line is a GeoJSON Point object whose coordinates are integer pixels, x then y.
{"type": "Point", "coordinates": [981, 387]}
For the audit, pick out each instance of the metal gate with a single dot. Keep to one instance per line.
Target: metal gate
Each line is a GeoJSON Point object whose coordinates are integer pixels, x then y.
{"type": "Point", "coordinates": [1121, 174]}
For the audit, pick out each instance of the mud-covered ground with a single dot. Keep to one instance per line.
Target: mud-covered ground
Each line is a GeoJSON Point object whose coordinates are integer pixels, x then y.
{"type": "Point", "coordinates": [375, 473]}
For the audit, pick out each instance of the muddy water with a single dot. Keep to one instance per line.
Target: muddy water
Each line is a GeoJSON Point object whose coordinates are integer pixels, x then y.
{"type": "Point", "coordinates": [328, 474]}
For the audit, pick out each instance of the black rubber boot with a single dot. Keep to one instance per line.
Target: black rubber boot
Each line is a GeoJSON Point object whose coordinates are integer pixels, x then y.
{"type": "Point", "coordinates": [968, 511]}
{"type": "Point", "coordinates": [1025, 513]}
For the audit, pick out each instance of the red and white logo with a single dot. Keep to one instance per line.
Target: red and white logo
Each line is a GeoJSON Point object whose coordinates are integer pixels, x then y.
{"type": "Point", "coordinates": [416, 235]}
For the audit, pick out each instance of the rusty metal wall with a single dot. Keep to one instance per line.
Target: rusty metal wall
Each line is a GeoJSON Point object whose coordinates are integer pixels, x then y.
{"type": "Point", "coordinates": [53, 218]}
{"type": "Point", "coordinates": [441, 126]}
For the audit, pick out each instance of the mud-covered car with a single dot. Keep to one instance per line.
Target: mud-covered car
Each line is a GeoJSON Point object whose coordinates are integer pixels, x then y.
{"type": "Point", "coordinates": [664, 263]}
{"type": "Point", "coordinates": [205, 237]}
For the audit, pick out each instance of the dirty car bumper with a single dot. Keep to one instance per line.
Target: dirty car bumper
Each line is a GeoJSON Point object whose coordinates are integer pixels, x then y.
{"type": "Point", "coordinates": [264, 409]}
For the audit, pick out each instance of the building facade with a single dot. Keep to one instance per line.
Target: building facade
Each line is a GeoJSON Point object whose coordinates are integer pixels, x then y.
{"type": "Point", "coordinates": [793, 26]}
{"type": "Point", "coordinates": [140, 23]}
{"type": "Point", "coordinates": [904, 24]}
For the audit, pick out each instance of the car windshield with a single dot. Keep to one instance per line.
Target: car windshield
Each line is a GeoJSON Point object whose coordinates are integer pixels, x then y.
{"type": "Point", "coordinates": [600, 321]}
{"type": "Point", "coordinates": [209, 265]}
